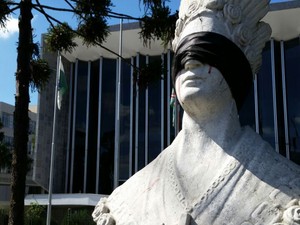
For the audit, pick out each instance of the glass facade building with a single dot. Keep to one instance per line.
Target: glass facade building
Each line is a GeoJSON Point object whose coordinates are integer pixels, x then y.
{"type": "Point", "coordinates": [275, 98]}
{"type": "Point", "coordinates": [114, 120]}
{"type": "Point", "coordinates": [131, 129]}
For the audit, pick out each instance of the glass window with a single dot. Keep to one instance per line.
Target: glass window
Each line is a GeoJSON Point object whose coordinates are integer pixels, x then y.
{"type": "Point", "coordinates": [168, 110]}
{"type": "Point", "coordinates": [125, 120]}
{"type": "Point", "coordinates": [265, 98]}
{"type": "Point", "coordinates": [32, 125]}
{"type": "Point", "coordinates": [30, 147]}
{"type": "Point", "coordinates": [154, 111]}
{"type": "Point", "coordinates": [7, 120]}
{"type": "Point", "coordinates": [173, 113]}
{"type": "Point", "coordinates": [247, 112]}
{"type": "Point", "coordinates": [8, 140]}
{"type": "Point", "coordinates": [141, 122]}
{"type": "Point", "coordinates": [107, 126]}
{"type": "Point", "coordinates": [93, 128]}
{"type": "Point", "coordinates": [80, 127]}
{"type": "Point", "coordinates": [292, 72]}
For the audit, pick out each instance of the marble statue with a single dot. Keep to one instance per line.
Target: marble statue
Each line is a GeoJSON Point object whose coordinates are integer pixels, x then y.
{"type": "Point", "coordinates": [215, 172]}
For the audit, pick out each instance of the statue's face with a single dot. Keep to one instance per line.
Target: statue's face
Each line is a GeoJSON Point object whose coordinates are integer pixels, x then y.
{"type": "Point", "coordinates": [200, 85]}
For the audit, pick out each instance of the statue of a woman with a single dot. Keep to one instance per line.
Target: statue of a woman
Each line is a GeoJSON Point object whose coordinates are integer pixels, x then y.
{"type": "Point", "coordinates": [215, 172]}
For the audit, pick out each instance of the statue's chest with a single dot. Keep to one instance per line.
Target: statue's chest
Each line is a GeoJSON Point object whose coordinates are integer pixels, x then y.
{"type": "Point", "coordinates": [235, 195]}
{"type": "Point", "coordinates": [194, 189]}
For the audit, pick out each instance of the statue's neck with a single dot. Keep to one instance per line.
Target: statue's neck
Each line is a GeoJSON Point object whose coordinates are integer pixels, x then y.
{"type": "Point", "coordinates": [222, 126]}
{"type": "Point", "coordinates": [206, 143]}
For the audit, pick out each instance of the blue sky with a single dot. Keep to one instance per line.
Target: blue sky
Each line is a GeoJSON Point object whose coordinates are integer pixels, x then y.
{"type": "Point", "coordinates": [9, 38]}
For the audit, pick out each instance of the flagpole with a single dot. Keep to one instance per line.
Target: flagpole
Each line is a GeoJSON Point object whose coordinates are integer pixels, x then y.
{"type": "Point", "coordinates": [53, 144]}
{"type": "Point", "coordinates": [118, 104]}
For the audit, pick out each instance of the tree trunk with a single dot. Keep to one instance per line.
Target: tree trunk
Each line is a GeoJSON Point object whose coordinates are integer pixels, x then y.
{"type": "Point", "coordinates": [21, 119]}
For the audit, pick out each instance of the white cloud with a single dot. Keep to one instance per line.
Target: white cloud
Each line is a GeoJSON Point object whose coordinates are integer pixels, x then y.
{"type": "Point", "coordinates": [10, 29]}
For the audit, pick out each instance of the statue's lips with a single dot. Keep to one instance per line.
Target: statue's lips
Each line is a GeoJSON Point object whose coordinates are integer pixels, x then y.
{"type": "Point", "coordinates": [193, 78]}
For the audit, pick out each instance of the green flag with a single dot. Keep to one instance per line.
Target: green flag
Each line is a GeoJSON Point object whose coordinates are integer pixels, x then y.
{"type": "Point", "coordinates": [173, 105]}
{"type": "Point", "coordinates": [62, 84]}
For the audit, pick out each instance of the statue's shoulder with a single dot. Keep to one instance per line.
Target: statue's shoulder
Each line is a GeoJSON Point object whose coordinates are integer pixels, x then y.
{"type": "Point", "coordinates": [153, 169]}
{"type": "Point", "coordinates": [260, 150]}
{"type": "Point", "coordinates": [126, 202]}
{"type": "Point", "coordinates": [272, 180]}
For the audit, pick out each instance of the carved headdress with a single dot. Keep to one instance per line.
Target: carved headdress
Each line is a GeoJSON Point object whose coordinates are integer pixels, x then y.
{"type": "Point", "coordinates": [227, 34]}
{"type": "Point", "coordinates": [237, 20]}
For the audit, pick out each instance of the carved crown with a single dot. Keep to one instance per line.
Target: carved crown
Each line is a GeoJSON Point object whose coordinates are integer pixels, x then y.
{"type": "Point", "coordinates": [237, 20]}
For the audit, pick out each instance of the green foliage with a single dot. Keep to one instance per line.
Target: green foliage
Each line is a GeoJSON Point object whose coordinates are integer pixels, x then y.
{"type": "Point", "coordinates": [93, 7]}
{"type": "Point", "coordinates": [3, 217]}
{"type": "Point", "coordinates": [5, 156]}
{"type": "Point", "coordinates": [40, 70]}
{"type": "Point", "coordinates": [79, 217]}
{"type": "Point", "coordinates": [40, 74]}
{"type": "Point", "coordinates": [60, 38]}
{"type": "Point", "coordinates": [149, 74]}
{"type": "Point", "coordinates": [35, 214]}
{"type": "Point", "coordinates": [150, 30]}
{"type": "Point", "coordinates": [149, 3]}
{"type": "Point", "coordinates": [93, 30]}
{"type": "Point", "coordinates": [4, 12]}
{"type": "Point", "coordinates": [92, 24]}
{"type": "Point", "coordinates": [158, 23]}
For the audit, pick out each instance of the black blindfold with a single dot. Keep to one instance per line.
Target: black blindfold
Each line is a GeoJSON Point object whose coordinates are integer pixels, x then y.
{"type": "Point", "coordinates": [217, 51]}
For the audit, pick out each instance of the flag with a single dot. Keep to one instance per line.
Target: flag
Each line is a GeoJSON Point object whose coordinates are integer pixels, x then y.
{"type": "Point", "coordinates": [173, 105]}
{"type": "Point", "coordinates": [62, 84]}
